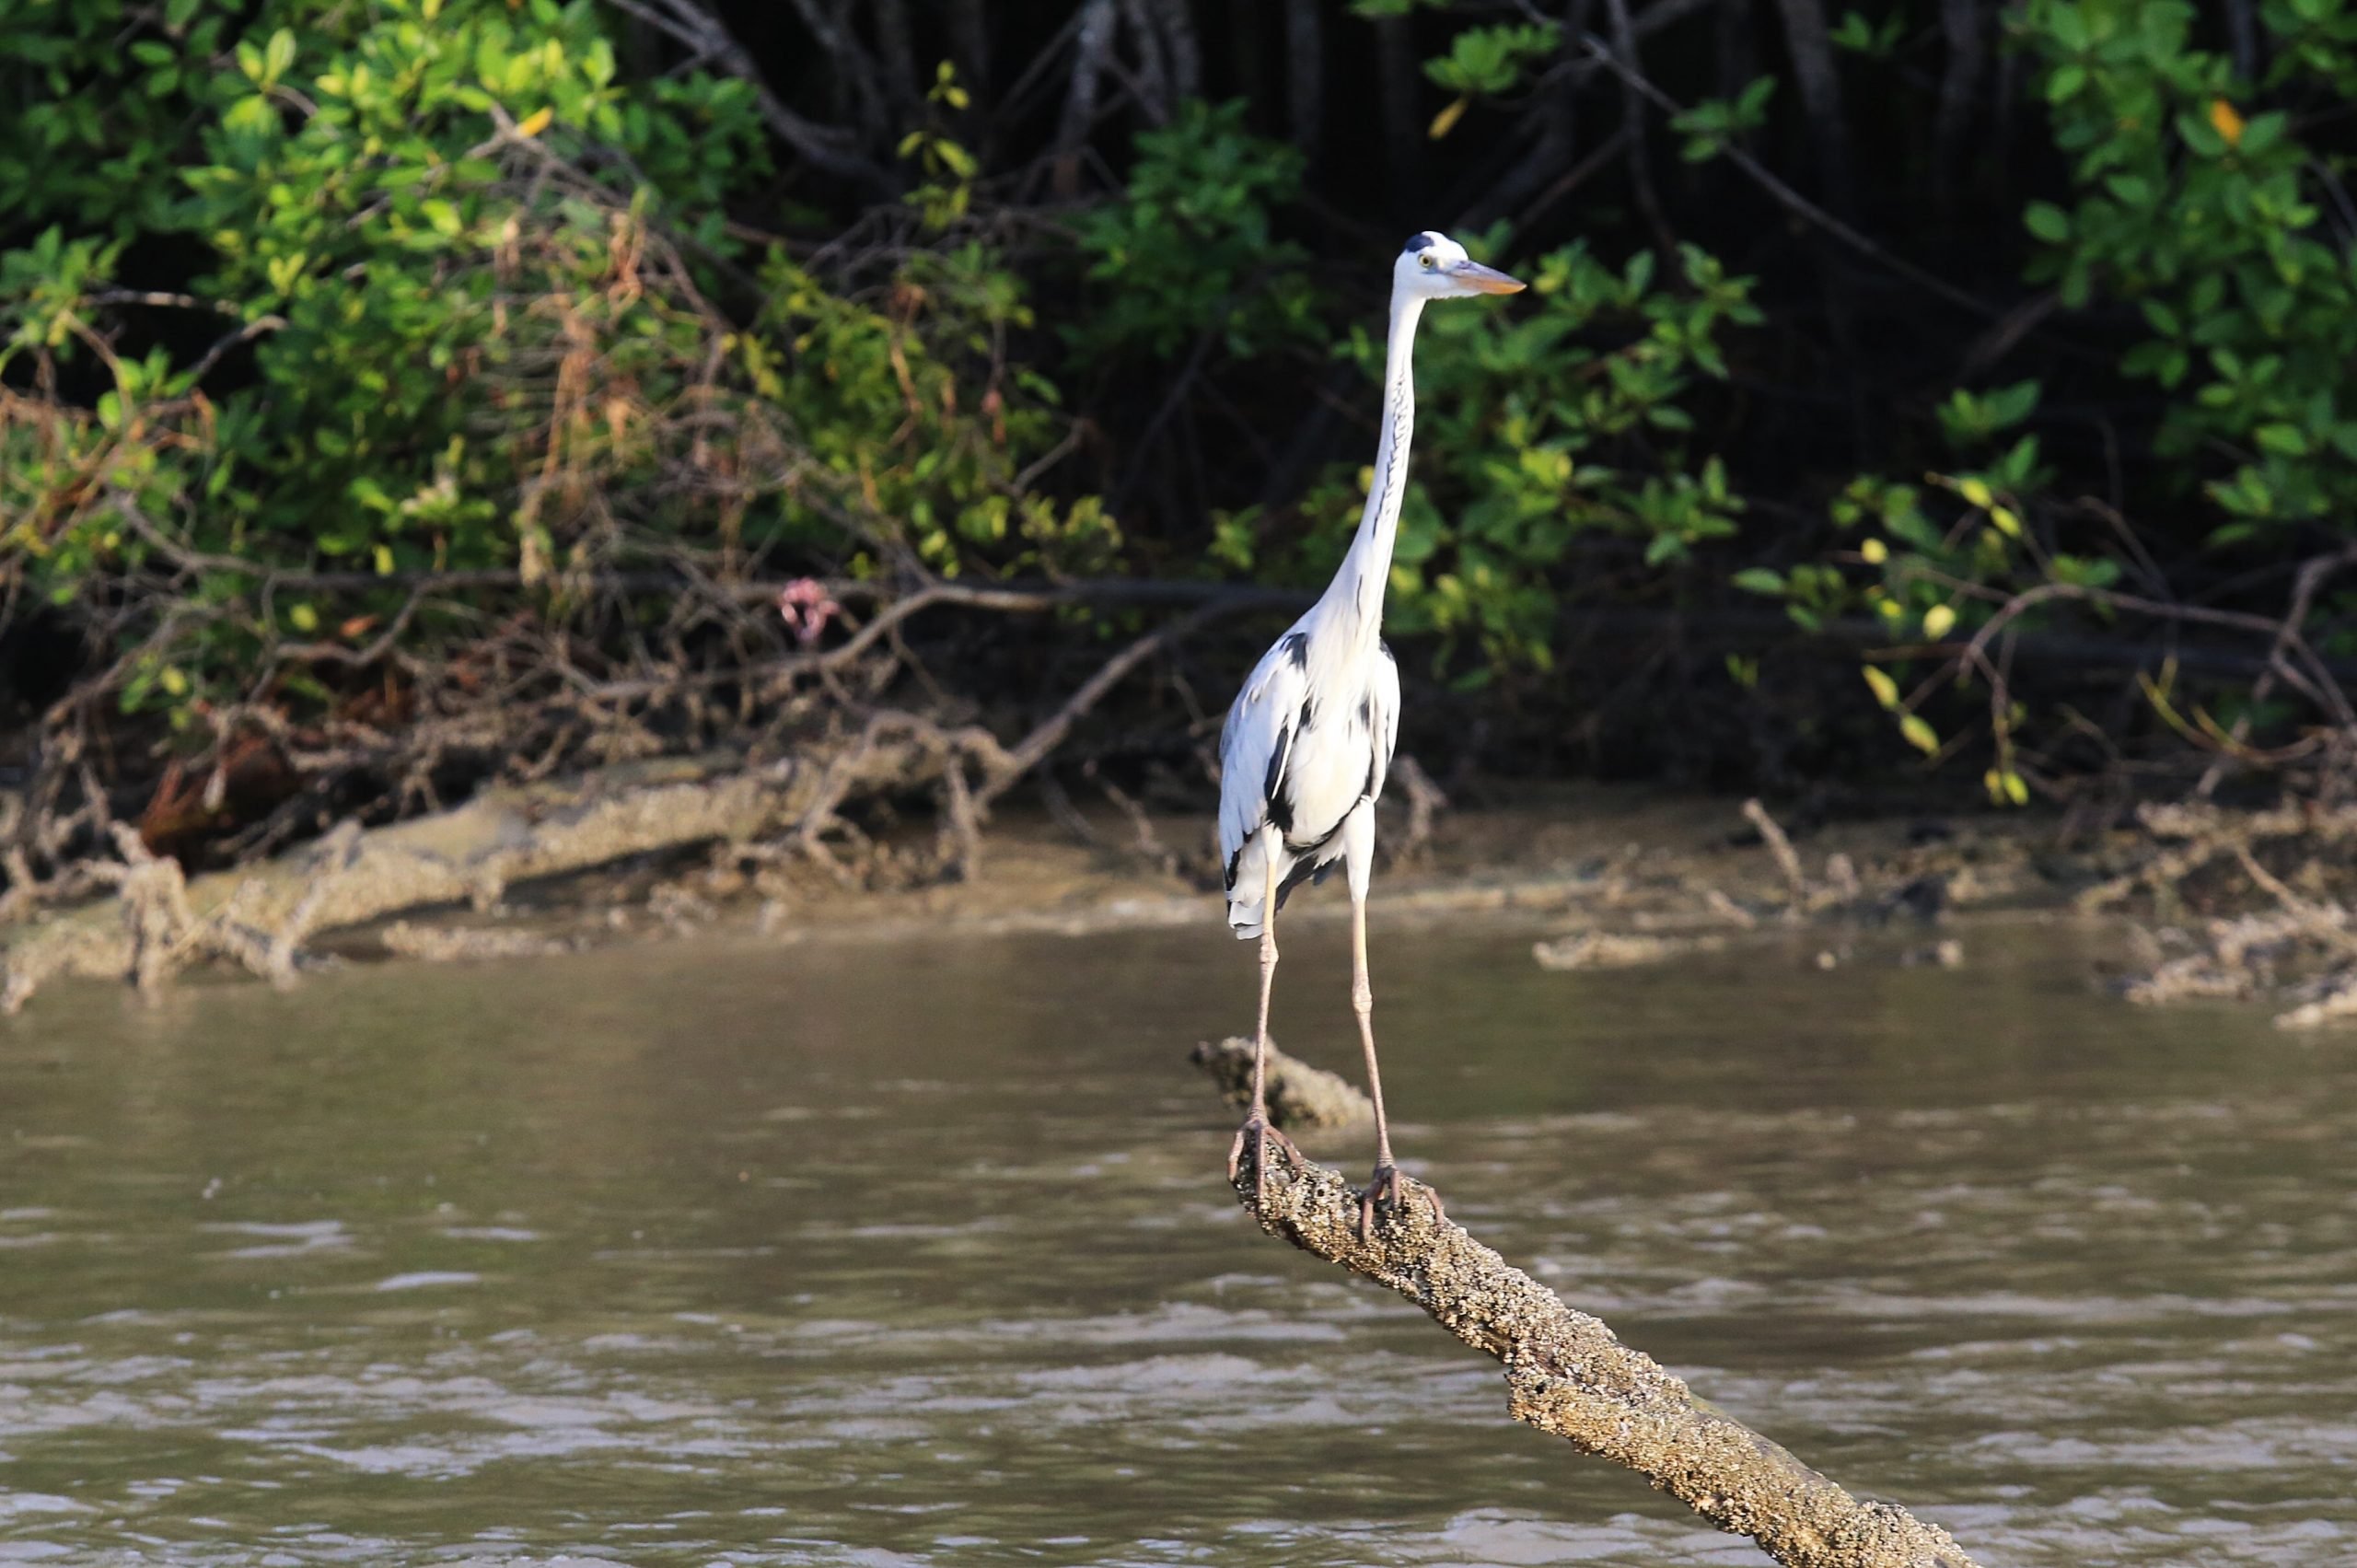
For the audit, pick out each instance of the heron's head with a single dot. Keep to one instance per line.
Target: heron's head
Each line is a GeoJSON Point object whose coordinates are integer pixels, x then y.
{"type": "Point", "coordinates": [1433, 266]}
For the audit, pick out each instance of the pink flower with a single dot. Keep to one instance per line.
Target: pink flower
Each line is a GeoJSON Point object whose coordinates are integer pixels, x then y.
{"type": "Point", "coordinates": [806, 607]}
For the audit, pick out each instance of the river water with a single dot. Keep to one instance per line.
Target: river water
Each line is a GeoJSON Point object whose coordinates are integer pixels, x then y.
{"type": "Point", "coordinates": [919, 1252]}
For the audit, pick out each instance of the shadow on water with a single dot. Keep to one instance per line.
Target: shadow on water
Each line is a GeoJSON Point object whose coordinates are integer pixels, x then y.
{"type": "Point", "coordinates": [919, 1254]}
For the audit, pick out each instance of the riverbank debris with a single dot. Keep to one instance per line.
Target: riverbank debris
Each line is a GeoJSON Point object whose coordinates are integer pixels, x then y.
{"type": "Point", "coordinates": [450, 944]}
{"type": "Point", "coordinates": [1615, 950]}
{"type": "Point", "coordinates": [2300, 943]}
{"type": "Point", "coordinates": [260, 916]}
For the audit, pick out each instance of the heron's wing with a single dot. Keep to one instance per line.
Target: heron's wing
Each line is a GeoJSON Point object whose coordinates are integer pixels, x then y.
{"type": "Point", "coordinates": [1256, 742]}
{"type": "Point", "coordinates": [1383, 690]}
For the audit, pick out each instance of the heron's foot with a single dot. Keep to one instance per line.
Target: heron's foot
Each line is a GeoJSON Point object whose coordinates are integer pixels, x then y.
{"type": "Point", "coordinates": [1259, 1134]}
{"type": "Point", "coordinates": [1384, 1187]}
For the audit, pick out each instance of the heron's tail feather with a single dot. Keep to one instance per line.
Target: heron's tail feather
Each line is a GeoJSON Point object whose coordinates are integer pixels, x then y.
{"type": "Point", "coordinates": [1246, 892]}
{"type": "Point", "coordinates": [1246, 896]}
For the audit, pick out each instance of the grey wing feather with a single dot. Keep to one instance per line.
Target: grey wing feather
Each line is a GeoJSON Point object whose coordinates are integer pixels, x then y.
{"type": "Point", "coordinates": [1255, 745]}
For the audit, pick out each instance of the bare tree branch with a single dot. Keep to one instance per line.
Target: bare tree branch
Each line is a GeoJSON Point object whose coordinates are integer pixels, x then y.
{"type": "Point", "coordinates": [2311, 577]}
{"type": "Point", "coordinates": [823, 147]}
{"type": "Point", "coordinates": [1152, 85]}
{"type": "Point", "coordinates": [1793, 200]}
{"type": "Point", "coordinates": [1034, 748]}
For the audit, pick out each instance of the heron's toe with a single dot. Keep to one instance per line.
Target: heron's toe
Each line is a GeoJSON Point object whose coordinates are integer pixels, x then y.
{"type": "Point", "coordinates": [1385, 1185]}
{"type": "Point", "coordinates": [1259, 1134]}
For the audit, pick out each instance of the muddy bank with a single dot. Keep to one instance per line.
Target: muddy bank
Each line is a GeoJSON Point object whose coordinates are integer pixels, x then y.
{"type": "Point", "coordinates": [1604, 877]}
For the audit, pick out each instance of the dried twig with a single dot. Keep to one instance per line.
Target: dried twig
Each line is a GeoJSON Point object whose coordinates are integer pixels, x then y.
{"type": "Point", "coordinates": [1787, 862]}
{"type": "Point", "coordinates": [709, 40]}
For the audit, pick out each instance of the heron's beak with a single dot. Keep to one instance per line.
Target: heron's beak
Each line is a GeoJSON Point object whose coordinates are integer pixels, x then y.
{"type": "Point", "coordinates": [1485, 280]}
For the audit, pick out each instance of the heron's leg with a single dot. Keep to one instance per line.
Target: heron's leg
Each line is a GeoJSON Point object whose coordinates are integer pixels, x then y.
{"type": "Point", "coordinates": [1385, 1183]}
{"type": "Point", "coordinates": [1256, 1129]}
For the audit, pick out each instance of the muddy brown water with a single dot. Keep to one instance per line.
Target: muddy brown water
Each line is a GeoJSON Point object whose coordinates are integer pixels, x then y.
{"type": "Point", "coordinates": [918, 1252]}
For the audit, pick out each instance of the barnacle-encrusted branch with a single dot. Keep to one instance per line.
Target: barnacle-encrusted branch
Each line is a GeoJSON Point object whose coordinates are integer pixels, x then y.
{"type": "Point", "coordinates": [1567, 1374]}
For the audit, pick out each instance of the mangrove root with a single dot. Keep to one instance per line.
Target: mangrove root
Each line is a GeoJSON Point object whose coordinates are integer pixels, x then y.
{"type": "Point", "coordinates": [1567, 1374]}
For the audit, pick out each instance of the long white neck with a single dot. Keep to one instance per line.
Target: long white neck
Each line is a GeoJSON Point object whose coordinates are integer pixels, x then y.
{"type": "Point", "coordinates": [1357, 589]}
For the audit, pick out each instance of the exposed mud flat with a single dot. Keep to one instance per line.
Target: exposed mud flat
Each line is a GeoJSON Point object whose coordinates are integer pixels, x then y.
{"type": "Point", "coordinates": [1605, 877]}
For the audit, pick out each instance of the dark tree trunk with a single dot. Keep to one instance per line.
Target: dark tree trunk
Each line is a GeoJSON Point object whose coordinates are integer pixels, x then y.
{"type": "Point", "coordinates": [1399, 71]}
{"type": "Point", "coordinates": [1305, 77]}
{"type": "Point", "coordinates": [1090, 51]}
{"type": "Point", "coordinates": [969, 41]}
{"type": "Point", "coordinates": [1820, 94]}
{"type": "Point", "coordinates": [1960, 23]}
{"type": "Point", "coordinates": [1633, 128]}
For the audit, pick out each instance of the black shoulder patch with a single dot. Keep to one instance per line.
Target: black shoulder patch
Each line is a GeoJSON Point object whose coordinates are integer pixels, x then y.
{"type": "Point", "coordinates": [1296, 647]}
{"type": "Point", "coordinates": [1419, 242]}
{"type": "Point", "coordinates": [1367, 712]}
{"type": "Point", "coordinates": [1272, 785]}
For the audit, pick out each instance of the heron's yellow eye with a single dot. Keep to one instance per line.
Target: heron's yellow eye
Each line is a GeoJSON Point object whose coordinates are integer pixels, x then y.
{"type": "Point", "coordinates": [1427, 262]}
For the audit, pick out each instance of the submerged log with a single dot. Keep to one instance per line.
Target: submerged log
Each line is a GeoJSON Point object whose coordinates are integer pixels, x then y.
{"type": "Point", "coordinates": [1300, 1095]}
{"type": "Point", "coordinates": [1567, 1374]}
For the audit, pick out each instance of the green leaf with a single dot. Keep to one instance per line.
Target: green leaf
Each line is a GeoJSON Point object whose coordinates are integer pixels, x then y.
{"type": "Point", "coordinates": [2200, 136]}
{"type": "Point", "coordinates": [2284, 440]}
{"type": "Point", "coordinates": [2262, 131]}
{"type": "Point", "coordinates": [2046, 222]}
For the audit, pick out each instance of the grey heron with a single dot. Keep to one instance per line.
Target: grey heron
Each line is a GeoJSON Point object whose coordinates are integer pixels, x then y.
{"type": "Point", "coordinates": [1307, 743]}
